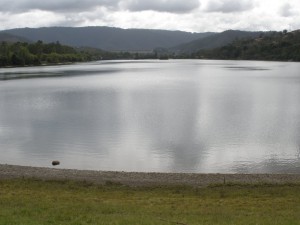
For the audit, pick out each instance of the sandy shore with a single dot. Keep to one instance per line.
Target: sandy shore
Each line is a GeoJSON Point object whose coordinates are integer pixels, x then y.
{"type": "Point", "coordinates": [143, 179]}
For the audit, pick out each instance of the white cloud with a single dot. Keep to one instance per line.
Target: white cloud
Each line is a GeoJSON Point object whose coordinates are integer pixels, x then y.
{"type": "Point", "coordinates": [34, 18]}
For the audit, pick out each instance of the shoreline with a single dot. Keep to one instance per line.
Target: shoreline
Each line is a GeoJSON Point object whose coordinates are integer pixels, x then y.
{"type": "Point", "coordinates": [142, 179]}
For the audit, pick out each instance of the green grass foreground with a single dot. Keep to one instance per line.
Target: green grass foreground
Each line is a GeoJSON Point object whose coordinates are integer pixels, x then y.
{"type": "Point", "coordinates": [66, 202]}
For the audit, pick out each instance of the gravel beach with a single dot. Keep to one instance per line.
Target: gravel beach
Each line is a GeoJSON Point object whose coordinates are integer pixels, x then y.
{"type": "Point", "coordinates": [142, 179]}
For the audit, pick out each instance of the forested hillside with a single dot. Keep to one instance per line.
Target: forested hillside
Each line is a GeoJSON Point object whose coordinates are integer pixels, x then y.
{"type": "Point", "coordinates": [214, 41]}
{"type": "Point", "coordinates": [39, 53]}
{"type": "Point", "coordinates": [21, 54]}
{"type": "Point", "coordinates": [281, 46]}
{"type": "Point", "coordinates": [11, 38]}
{"type": "Point", "coordinates": [108, 38]}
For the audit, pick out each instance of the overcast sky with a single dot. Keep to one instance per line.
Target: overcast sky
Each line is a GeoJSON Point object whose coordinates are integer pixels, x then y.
{"type": "Point", "coordinates": [186, 15]}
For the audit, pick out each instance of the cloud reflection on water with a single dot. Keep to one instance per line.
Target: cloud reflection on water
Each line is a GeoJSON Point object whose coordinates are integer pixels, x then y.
{"type": "Point", "coordinates": [176, 116]}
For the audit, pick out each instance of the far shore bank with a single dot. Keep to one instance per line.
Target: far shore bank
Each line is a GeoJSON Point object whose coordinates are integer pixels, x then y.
{"type": "Point", "coordinates": [143, 179]}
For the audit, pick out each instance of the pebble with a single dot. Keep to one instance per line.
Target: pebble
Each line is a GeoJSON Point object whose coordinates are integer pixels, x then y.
{"type": "Point", "coordinates": [55, 163]}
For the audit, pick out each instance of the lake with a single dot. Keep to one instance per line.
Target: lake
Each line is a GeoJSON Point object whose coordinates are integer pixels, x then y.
{"type": "Point", "coordinates": [201, 116]}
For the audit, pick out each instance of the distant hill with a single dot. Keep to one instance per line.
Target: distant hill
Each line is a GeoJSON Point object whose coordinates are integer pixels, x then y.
{"type": "Point", "coordinates": [279, 46]}
{"type": "Point", "coordinates": [108, 38]}
{"type": "Point", "coordinates": [214, 41]}
{"type": "Point", "coordinates": [5, 37]}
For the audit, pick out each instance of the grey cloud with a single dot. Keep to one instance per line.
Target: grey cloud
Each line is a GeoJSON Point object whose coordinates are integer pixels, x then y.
{"type": "Point", "coordinates": [229, 6]}
{"type": "Point", "coordinates": [286, 10]}
{"type": "Point", "coordinates": [54, 5]}
{"type": "Point", "coordinates": [173, 6]}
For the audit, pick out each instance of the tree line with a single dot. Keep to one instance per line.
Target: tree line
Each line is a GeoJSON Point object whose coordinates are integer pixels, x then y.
{"type": "Point", "coordinates": [39, 53]}
{"type": "Point", "coordinates": [21, 54]}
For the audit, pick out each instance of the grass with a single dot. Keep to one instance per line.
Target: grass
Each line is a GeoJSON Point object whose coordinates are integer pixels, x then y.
{"type": "Point", "coordinates": [38, 202]}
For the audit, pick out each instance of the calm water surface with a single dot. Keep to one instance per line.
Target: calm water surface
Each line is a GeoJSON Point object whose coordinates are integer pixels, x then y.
{"type": "Point", "coordinates": [163, 116]}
